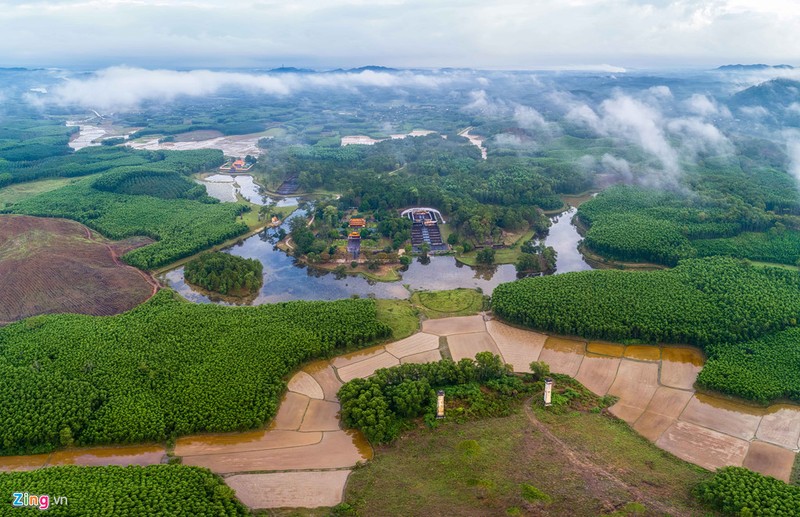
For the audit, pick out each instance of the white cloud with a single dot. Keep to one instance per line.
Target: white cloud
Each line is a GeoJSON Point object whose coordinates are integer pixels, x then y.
{"type": "Point", "coordinates": [481, 104]}
{"type": "Point", "coordinates": [698, 136]}
{"type": "Point", "coordinates": [793, 150]}
{"type": "Point", "coordinates": [123, 88]}
{"type": "Point", "coordinates": [701, 105]}
{"type": "Point", "coordinates": [619, 167]}
{"type": "Point", "coordinates": [754, 111]}
{"type": "Point", "coordinates": [529, 118]}
{"type": "Point", "coordinates": [639, 123]}
{"type": "Point", "coordinates": [660, 92]}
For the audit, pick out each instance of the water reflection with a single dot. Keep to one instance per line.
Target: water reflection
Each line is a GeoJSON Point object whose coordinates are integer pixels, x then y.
{"type": "Point", "coordinates": [285, 280]}
{"type": "Point", "coordinates": [564, 237]}
{"type": "Point", "coordinates": [225, 187]}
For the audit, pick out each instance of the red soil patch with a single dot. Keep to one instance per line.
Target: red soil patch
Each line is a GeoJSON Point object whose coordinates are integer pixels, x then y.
{"type": "Point", "coordinates": [52, 266]}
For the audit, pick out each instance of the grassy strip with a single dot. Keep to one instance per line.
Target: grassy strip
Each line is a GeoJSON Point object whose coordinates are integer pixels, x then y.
{"type": "Point", "coordinates": [21, 191]}
{"type": "Point", "coordinates": [445, 304]}
{"type": "Point", "coordinates": [399, 315]}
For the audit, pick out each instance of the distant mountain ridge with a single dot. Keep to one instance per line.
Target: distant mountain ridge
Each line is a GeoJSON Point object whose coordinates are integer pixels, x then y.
{"type": "Point", "coordinates": [752, 67]}
{"type": "Point", "coordinates": [769, 93]}
{"type": "Point", "coordinates": [294, 70]}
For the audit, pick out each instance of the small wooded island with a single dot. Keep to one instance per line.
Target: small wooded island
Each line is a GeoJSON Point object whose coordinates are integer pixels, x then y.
{"type": "Point", "coordinates": [225, 274]}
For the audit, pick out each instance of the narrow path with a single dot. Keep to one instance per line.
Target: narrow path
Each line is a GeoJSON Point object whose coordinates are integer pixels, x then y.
{"type": "Point", "coordinates": [585, 464]}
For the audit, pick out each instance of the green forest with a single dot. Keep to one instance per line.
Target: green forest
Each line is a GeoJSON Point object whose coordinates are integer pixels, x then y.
{"type": "Point", "coordinates": [705, 302]}
{"type": "Point", "coordinates": [481, 198]}
{"type": "Point", "coordinates": [642, 225]}
{"type": "Point", "coordinates": [126, 491]}
{"type": "Point", "coordinates": [738, 491]}
{"type": "Point", "coordinates": [164, 369]}
{"type": "Point", "coordinates": [224, 273]}
{"type": "Point", "coordinates": [763, 369]}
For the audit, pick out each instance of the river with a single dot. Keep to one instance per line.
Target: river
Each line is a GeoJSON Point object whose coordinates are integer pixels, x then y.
{"type": "Point", "coordinates": [225, 187]}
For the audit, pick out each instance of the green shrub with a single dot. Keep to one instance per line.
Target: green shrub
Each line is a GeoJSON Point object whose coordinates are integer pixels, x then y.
{"type": "Point", "coordinates": [532, 494]}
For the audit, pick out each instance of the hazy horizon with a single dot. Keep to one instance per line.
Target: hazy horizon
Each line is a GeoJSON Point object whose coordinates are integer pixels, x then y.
{"type": "Point", "coordinates": [511, 35]}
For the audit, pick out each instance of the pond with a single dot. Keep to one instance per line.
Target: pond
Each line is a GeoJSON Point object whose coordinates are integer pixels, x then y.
{"type": "Point", "coordinates": [285, 280]}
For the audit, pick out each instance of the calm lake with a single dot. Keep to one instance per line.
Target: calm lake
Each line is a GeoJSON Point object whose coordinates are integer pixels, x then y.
{"type": "Point", "coordinates": [286, 280]}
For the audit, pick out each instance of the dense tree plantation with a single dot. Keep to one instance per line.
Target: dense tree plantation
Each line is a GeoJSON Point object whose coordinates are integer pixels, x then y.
{"type": "Point", "coordinates": [738, 491]}
{"type": "Point", "coordinates": [151, 182]}
{"type": "Point", "coordinates": [166, 368]}
{"type": "Point", "coordinates": [225, 273]}
{"type": "Point", "coordinates": [778, 245]}
{"type": "Point", "coordinates": [641, 225]}
{"type": "Point", "coordinates": [27, 140]}
{"type": "Point", "coordinates": [94, 159]}
{"type": "Point", "coordinates": [763, 369]}
{"type": "Point", "coordinates": [174, 490]}
{"type": "Point", "coordinates": [381, 405]}
{"type": "Point", "coordinates": [182, 227]}
{"type": "Point", "coordinates": [704, 302]}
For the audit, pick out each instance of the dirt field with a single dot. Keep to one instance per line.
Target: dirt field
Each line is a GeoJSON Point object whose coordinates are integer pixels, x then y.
{"type": "Point", "coordinates": [52, 266]}
{"type": "Point", "coordinates": [271, 468]}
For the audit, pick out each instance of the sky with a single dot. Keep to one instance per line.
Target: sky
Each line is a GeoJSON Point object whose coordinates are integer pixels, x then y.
{"type": "Point", "coordinates": [401, 33]}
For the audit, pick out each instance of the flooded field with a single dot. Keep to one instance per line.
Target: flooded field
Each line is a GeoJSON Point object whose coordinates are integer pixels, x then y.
{"type": "Point", "coordinates": [304, 455]}
{"type": "Point", "coordinates": [88, 456]}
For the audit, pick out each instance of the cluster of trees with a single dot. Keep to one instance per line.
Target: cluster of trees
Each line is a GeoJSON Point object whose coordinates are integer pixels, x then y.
{"type": "Point", "coordinates": [536, 258]}
{"type": "Point", "coordinates": [396, 228]}
{"type": "Point", "coordinates": [225, 273]}
{"type": "Point", "coordinates": [706, 302]}
{"type": "Point", "coordinates": [739, 491]}
{"type": "Point", "coordinates": [176, 490]}
{"type": "Point", "coordinates": [642, 225]}
{"type": "Point", "coordinates": [763, 369]}
{"type": "Point", "coordinates": [165, 369]}
{"type": "Point", "coordinates": [152, 182]}
{"type": "Point", "coordinates": [382, 405]}
{"type": "Point", "coordinates": [29, 140]}
{"type": "Point", "coordinates": [182, 227]}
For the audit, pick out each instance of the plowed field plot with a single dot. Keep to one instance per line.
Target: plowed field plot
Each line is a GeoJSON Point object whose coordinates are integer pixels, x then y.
{"type": "Point", "coordinates": [52, 266]}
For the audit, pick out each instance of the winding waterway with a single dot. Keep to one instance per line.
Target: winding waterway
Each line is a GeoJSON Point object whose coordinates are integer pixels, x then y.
{"type": "Point", "coordinates": [285, 279]}
{"type": "Point", "coordinates": [225, 187]}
